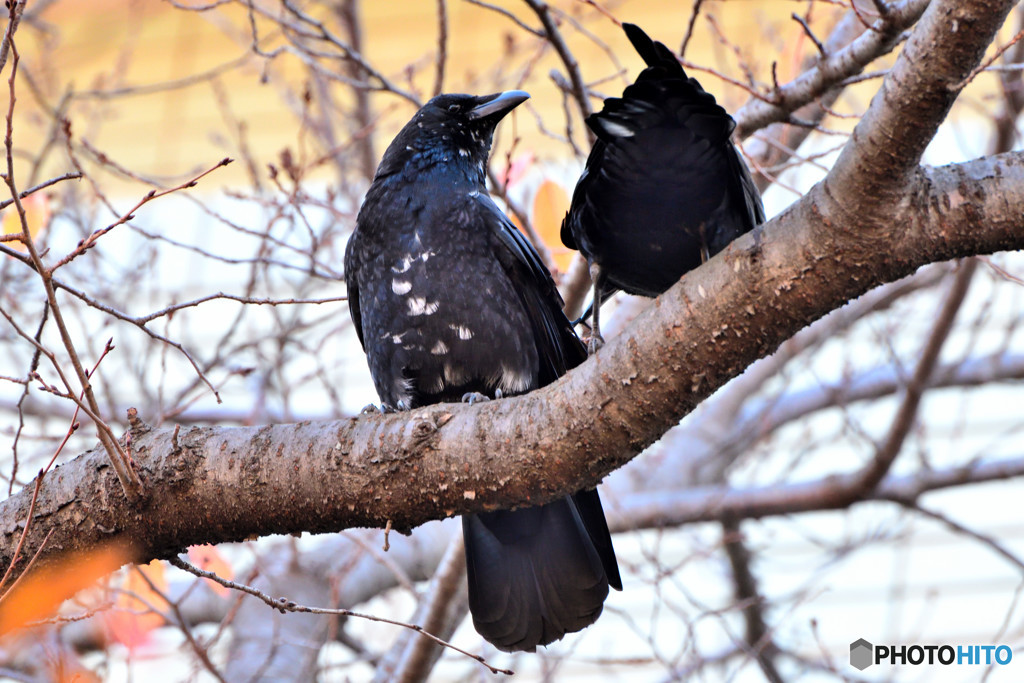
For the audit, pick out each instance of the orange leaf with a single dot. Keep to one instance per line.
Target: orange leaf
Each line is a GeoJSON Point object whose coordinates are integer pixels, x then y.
{"type": "Point", "coordinates": [549, 207]}
{"type": "Point", "coordinates": [133, 617]}
{"type": "Point", "coordinates": [209, 558]}
{"type": "Point", "coordinates": [37, 213]}
{"type": "Point", "coordinates": [39, 593]}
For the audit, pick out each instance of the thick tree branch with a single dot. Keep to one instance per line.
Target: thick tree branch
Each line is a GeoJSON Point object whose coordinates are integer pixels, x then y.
{"type": "Point", "coordinates": [758, 636]}
{"type": "Point", "coordinates": [946, 45]}
{"type": "Point", "coordinates": [832, 70]}
{"type": "Point", "coordinates": [225, 484]}
{"type": "Point", "coordinates": [843, 54]}
{"type": "Point", "coordinates": [760, 418]}
{"type": "Point", "coordinates": [716, 503]}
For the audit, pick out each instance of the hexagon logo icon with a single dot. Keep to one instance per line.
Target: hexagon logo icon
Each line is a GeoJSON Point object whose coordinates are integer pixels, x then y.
{"type": "Point", "coordinates": [861, 654]}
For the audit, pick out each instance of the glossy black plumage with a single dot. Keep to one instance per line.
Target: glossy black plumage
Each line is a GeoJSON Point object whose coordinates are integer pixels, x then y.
{"type": "Point", "coordinates": [664, 187]}
{"type": "Point", "coordinates": [449, 298]}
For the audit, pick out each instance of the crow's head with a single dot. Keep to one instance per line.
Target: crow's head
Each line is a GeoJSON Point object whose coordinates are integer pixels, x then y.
{"type": "Point", "coordinates": [450, 129]}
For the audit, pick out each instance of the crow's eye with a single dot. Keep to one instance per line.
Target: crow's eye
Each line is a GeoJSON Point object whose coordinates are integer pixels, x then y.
{"type": "Point", "coordinates": [454, 108]}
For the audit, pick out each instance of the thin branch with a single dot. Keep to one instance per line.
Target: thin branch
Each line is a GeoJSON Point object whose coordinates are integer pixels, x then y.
{"type": "Point", "coordinates": [748, 597]}
{"type": "Point", "coordinates": [130, 481]}
{"type": "Point", "coordinates": [183, 626]}
{"type": "Point", "coordinates": [694, 13]}
{"type": "Point", "coordinates": [715, 503]}
{"type": "Point", "coordinates": [810, 34]}
{"type": "Point", "coordinates": [24, 532]}
{"type": "Point", "coordinates": [33, 367]}
{"type": "Point", "coordinates": [505, 13]}
{"type": "Point", "coordinates": [988, 62]}
{"type": "Point", "coordinates": [43, 185]}
{"type": "Point", "coordinates": [155, 335]}
{"type": "Point", "coordinates": [255, 301]}
{"type": "Point", "coordinates": [572, 67]}
{"type": "Point", "coordinates": [346, 51]}
{"type": "Point", "coordinates": [285, 605]}
{"type": "Point", "coordinates": [906, 415]}
{"type": "Point", "coordinates": [992, 543]}
{"type": "Point", "coordinates": [90, 241]}
{"type": "Point", "coordinates": [442, 46]}
{"type": "Point", "coordinates": [24, 571]}
{"type": "Point", "coordinates": [418, 655]}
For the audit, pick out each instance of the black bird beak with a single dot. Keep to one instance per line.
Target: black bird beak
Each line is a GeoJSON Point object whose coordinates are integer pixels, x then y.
{"type": "Point", "coordinates": [498, 104]}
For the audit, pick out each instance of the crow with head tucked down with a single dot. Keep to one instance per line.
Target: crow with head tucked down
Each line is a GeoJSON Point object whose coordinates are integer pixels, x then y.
{"type": "Point", "coordinates": [450, 300]}
{"type": "Point", "coordinates": [664, 188]}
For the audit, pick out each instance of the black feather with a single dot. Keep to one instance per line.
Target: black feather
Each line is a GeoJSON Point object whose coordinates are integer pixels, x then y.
{"type": "Point", "coordinates": [664, 187]}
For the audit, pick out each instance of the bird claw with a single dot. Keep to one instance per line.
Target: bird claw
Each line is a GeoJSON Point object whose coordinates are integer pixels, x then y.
{"type": "Point", "coordinates": [594, 344]}
{"type": "Point", "coordinates": [472, 397]}
{"type": "Point", "coordinates": [384, 408]}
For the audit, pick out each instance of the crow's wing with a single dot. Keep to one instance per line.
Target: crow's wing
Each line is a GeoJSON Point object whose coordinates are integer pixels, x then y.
{"type": "Point", "coordinates": [557, 344]}
{"type": "Point", "coordinates": [352, 286]}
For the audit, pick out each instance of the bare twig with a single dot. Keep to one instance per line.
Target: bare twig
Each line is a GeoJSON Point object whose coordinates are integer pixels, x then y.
{"type": "Point", "coordinates": [831, 70]}
{"type": "Point", "coordinates": [579, 89]}
{"type": "Point", "coordinates": [748, 597]}
{"type": "Point", "coordinates": [168, 310]}
{"type": "Point", "coordinates": [419, 654]}
{"type": "Point", "coordinates": [810, 34]}
{"type": "Point", "coordinates": [90, 241]}
{"type": "Point", "coordinates": [201, 652]}
{"type": "Point", "coordinates": [43, 185]}
{"type": "Point", "coordinates": [715, 503]}
{"type": "Point", "coordinates": [344, 50]}
{"type": "Point", "coordinates": [985, 539]}
{"type": "Point", "coordinates": [285, 605]}
{"type": "Point", "coordinates": [694, 13]}
{"type": "Point", "coordinates": [24, 531]}
{"type": "Point", "coordinates": [32, 369]}
{"type": "Point", "coordinates": [130, 481]}
{"type": "Point", "coordinates": [988, 62]}
{"type": "Point", "coordinates": [505, 13]}
{"type": "Point", "coordinates": [442, 46]}
{"type": "Point", "coordinates": [875, 471]}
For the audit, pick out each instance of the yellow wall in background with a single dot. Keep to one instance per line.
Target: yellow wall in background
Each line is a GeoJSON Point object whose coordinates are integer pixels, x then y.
{"type": "Point", "coordinates": [95, 47]}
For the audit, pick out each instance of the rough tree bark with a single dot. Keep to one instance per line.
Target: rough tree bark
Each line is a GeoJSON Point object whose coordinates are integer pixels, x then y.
{"type": "Point", "coordinates": [875, 218]}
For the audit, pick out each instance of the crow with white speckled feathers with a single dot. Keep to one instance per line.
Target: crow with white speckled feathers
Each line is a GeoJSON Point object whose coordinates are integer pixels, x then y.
{"type": "Point", "coordinates": [451, 301]}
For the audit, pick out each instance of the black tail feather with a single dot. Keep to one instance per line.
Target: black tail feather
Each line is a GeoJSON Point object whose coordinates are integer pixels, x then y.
{"type": "Point", "coordinates": [538, 573]}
